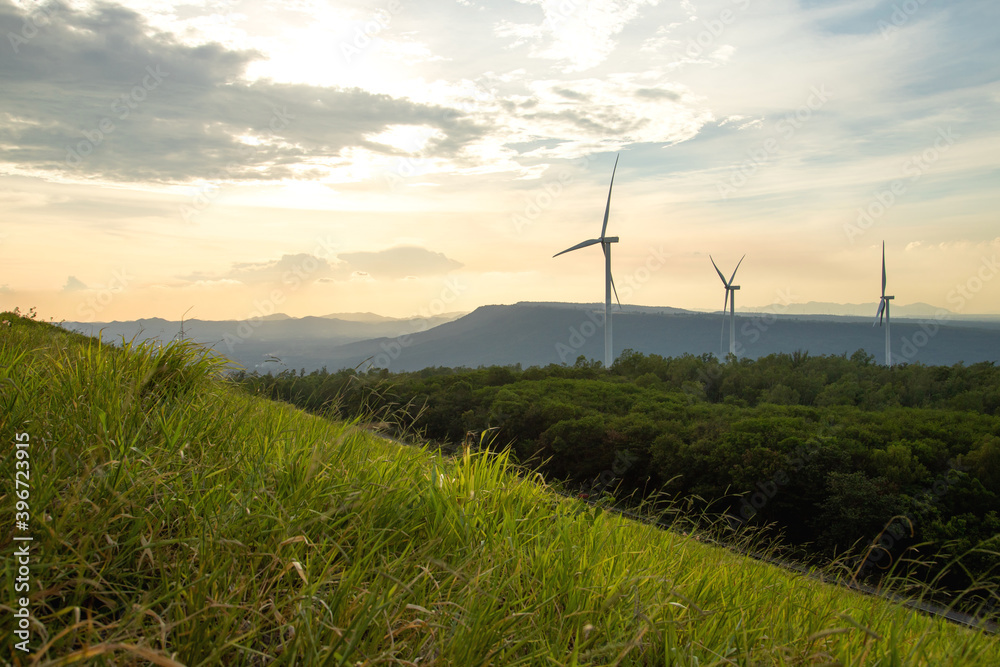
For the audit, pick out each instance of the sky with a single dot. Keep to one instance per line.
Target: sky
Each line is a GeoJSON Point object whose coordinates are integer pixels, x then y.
{"type": "Point", "coordinates": [230, 159]}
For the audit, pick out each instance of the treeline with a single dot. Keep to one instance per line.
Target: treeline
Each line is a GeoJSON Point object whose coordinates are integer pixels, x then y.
{"type": "Point", "coordinates": [836, 454]}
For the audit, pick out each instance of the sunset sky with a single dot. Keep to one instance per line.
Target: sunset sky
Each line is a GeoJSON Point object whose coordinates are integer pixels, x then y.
{"type": "Point", "coordinates": [402, 157]}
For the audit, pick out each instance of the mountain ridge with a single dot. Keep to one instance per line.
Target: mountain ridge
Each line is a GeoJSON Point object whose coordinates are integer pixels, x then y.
{"type": "Point", "coordinates": [541, 333]}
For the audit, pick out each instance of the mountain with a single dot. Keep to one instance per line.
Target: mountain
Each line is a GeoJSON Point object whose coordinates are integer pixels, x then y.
{"type": "Point", "coordinates": [544, 333]}
{"type": "Point", "coordinates": [540, 334]}
{"type": "Point", "coordinates": [256, 343]}
{"type": "Point", "coordinates": [372, 318]}
{"type": "Point", "coordinates": [824, 309]}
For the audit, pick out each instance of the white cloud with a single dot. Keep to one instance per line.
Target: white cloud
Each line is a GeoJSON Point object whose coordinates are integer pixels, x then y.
{"type": "Point", "coordinates": [407, 138]}
{"type": "Point", "coordinates": [399, 263]}
{"type": "Point", "coordinates": [580, 34]}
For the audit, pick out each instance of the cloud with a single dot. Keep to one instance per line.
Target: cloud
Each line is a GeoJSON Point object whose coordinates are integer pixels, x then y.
{"type": "Point", "coordinates": [73, 284]}
{"type": "Point", "coordinates": [657, 111]}
{"type": "Point", "coordinates": [304, 268]}
{"type": "Point", "coordinates": [96, 94]}
{"type": "Point", "coordinates": [571, 94]}
{"type": "Point", "coordinates": [401, 262]}
{"type": "Point", "coordinates": [288, 270]}
{"type": "Point", "coordinates": [580, 35]}
{"type": "Point", "coordinates": [658, 94]}
{"type": "Point", "coordinates": [361, 277]}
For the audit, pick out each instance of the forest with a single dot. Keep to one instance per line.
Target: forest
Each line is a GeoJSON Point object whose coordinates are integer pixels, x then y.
{"type": "Point", "coordinates": [881, 470]}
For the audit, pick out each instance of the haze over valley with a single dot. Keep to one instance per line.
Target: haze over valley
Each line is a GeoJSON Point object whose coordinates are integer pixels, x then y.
{"type": "Point", "coordinates": [545, 333]}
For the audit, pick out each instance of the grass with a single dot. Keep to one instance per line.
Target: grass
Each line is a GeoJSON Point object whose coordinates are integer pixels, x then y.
{"type": "Point", "coordinates": [177, 520]}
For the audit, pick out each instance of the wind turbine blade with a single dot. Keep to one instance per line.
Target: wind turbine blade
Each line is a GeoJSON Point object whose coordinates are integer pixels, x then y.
{"type": "Point", "coordinates": [578, 246]}
{"type": "Point", "coordinates": [607, 209]}
{"type": "Point", "coordinates": [721, 277]}
{"type": "Point", "coordinates": [722, 332]}
{"type": "Point", "coordinates": [735, 270]}
{"type": "Point", "coordinates": [881, 309]}
{"type": "Point", "coordinates": [615, 290]}
{"type": "Point", "coordinates": [883, 268]}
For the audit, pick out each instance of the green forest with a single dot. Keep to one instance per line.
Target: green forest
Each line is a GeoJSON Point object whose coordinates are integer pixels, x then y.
{"type": "Point", "coordinates": [879, 470]}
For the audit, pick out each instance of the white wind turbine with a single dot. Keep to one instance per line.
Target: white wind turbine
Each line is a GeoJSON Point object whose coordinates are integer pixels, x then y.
{"type": "Point", "coordinates": [609, 282]}
{"type": "Point", "coordinates": [731, 302]}
{"type": "Point", "coordinates": [883, 305]}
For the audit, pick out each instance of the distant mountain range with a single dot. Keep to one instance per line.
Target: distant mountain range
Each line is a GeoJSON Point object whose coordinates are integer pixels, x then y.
{"type": "Point", "coordinates": [259, 343]}
{"type": "Point", "coordinates": [368, 318]}
{"type": "Point", "coordinates": [544, 333]}
{"type": "Point", "coordinates": [825, 309]}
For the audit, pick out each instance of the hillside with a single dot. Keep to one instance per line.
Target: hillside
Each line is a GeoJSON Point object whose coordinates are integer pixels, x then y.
{"type": "Point", "coordinates": [890, 470]}
{"type": "Point", "coordinates": [176, 520]}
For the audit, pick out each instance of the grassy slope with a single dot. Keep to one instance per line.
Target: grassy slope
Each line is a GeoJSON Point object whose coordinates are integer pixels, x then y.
{"type": "Point", "coordinates": [179, 521]}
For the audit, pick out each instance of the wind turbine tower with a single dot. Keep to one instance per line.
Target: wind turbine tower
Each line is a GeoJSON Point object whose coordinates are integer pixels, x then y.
{"type": "Point", "coordinates": [883, 305]}
{"type": "Point", "coordinates": [609, 282]}
{"type": "Point", "coordinates": [730, 301]}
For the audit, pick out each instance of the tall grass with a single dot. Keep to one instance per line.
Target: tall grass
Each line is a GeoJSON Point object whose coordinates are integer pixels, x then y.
{"type": "Point", "coordinates": [180, 521]}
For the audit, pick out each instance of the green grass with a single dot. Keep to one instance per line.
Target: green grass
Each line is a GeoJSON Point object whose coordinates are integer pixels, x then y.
{"type": "Point", "coordinates": [179, 520]}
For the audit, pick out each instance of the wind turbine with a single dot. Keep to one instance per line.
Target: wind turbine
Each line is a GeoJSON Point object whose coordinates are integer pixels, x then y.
{"type": "Point", "coordinates": [609, 282]}
{"type": "Point", "coordinates": [883, 305]}
{"type": "Point", "coordinates": [731, 302]}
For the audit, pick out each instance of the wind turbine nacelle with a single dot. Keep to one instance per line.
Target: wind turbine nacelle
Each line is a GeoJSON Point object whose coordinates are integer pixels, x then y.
{"type": "Point", "coordinates": [734, 287]}
{"type": "Point", "coordinates": [609, 239]}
